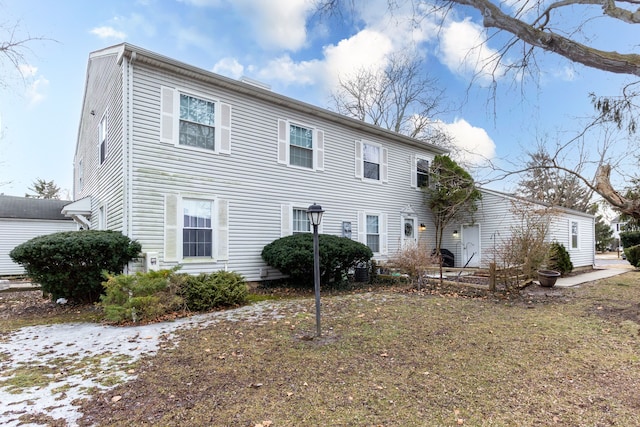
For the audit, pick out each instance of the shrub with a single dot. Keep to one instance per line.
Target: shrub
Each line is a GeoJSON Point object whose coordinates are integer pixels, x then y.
{"type": "Point", "coordinates": [141, 297]}
{"type": "Point", "coordinates": [71, 264]}
{"type": "Point", "coordinates": [630, 238]}
{"type": "Point", "coordinates": [633, 255]}
{"type": "Point", "coordinates": [414, 261]}
{"type": "Point", "coordinates": [207, 291]}
{"type": "Point", "coordinates": [559, 258]}
{"type": "Point", "coordinates": [293, 255]}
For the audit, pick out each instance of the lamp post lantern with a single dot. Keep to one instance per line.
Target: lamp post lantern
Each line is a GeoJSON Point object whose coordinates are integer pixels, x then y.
{"type": "Point", "coordinates": [314, 213]}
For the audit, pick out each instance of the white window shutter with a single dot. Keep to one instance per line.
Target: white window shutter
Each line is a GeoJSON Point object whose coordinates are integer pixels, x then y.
{"type": "Point", "coordinates": [167, 113]}
{"type": "Point", "coordinates": [358, 159]}
{"type": "Point", "coordinates": [285, 220]}
{"type": "Point", "coordinates": [283, 146]}
{"type": "Point", "coordinates": [319, 150]}
{"type": "Point", "coordinates": [171, 227]}
{"type": "Point", "coordinates": [414, 172]}
{"type": "Point", "coordinates": [225, 129]}
{"type": "Point", "coordinates": [362, 227]}
{"type": "Point", "coordinates": [384, 165]}
{"type": "Point", "coordinates": [384, 250]}
{"type": "Point", "coordinates": [223, 230]}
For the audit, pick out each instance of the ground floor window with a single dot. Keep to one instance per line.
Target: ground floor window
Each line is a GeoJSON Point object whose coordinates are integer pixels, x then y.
{"type": "Point", "coordinates": [197, 231]}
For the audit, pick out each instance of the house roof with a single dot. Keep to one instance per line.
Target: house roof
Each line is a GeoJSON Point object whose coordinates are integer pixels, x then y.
{"type": "Point", "coordinates": [537, 202]}
{"type": "Point", "coordinates": [137, 54]}
{"type": "Point", "coordinates": [29, 208]}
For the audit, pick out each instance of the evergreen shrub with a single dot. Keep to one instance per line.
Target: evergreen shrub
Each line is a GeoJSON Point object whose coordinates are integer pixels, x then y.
{"type": "Point", "coordinates": [559, 258]}
{"type": "Point", "coordinates": [630, 238]}
{"type": "Point", "coordinates": [633, 255]}
{"type": "Point", "coordinates": [70, 264]}
{"type": "Point", "coordinates": [293, 256]}
{"type": "Point", "coordinates": [207, 291]}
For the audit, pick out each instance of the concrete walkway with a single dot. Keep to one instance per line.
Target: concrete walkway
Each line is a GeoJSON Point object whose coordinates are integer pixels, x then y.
{"type": "Point", "coordinates": [566, 282]}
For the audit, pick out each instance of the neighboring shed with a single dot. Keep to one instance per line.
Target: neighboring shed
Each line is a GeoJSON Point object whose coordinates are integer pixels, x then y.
{"type": "Point", "coordinates": [22, 219]}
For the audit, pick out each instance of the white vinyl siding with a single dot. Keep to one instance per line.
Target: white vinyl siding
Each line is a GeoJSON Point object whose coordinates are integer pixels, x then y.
{"type": "Point", "coordinates": [194, 121]}
{"type": "Point", "coordinates": [300, 146]}
{"type": "Point", "coordinates": [371, 161]}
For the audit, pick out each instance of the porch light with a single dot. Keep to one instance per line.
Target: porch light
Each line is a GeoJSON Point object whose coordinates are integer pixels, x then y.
{"type": "Point", "coordinates": [422, 226]}
{"type": "Point", "coordinates": [455, 233]}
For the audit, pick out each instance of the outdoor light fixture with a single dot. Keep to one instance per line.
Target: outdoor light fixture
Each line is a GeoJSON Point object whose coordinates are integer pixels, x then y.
{"type": "Point", "coordinates": [314, 213]}
{"type": "Point", "coordinates": [422, 226]}
{"type": "Point", "coordinates": [455, 233]}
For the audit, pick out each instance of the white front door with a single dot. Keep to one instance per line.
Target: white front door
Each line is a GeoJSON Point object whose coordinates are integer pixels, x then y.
{"type": "Point", "coordinates": [409, 231]}
{"type": "Point", "coordinates": [470, 246]}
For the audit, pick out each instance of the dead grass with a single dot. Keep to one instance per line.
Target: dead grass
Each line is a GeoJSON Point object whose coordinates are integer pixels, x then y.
{"type": "Point", "coordinates": [561, 357]}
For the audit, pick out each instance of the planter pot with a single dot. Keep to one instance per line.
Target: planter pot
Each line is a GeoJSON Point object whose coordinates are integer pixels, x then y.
{"type": "Point", "coordinates": [547, 278]}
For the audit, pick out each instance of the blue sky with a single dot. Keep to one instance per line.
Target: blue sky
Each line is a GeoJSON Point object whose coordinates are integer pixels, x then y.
{"type": "Point", "coordinates": [280, 43]}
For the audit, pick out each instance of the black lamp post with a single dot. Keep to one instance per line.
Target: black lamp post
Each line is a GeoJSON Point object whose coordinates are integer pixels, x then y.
{"type": "Point", "coordinates": [314, 213]}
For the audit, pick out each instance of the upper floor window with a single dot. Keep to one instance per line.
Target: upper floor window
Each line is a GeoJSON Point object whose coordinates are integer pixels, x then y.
{"type": "Point", "coordinates": [197, 122]}
{"type": "Point", "coordinates": [197, 230]}
{"type": "Point", "coordinates": [371, 161]}
{"type": "Point", "coordinates": [102, 138]}
{"type": "Point", "coordinates": [80, 175]}
{"type": "Point", "coordinates": [194, 121]}
{"type": "Point", "coordinates": [574, 235]}
{"type": "Point", "coordinates": [301, 222]}
{"type": "Point", "coordinates": [300, 146]}
{"type": "Point", "coordinates": [422, 172]}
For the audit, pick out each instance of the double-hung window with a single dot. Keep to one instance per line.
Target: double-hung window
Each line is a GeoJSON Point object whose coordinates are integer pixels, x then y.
{"type": "Point", "coordinates": [574, 235]}
{"type": "Point", "coordinates": [197, 122]}
{"type": "Point", "coordinates": [301, 222]}
{"type": "Point", "coordinates": [373, 232]}
{"type": "Point", "coordinates": [301, 146]}
{"type": "Point", "coordinates": [102, 139]}
{"type": "Point", "coordinates": [371, 161]}
{"type": "Point", "coordinates": [197, 230]}
{"type": "Point", "coordinates": [422, 172]}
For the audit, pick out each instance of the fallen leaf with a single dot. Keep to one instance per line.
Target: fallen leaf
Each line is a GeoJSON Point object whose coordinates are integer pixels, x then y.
{"type": "Point", "coordinates": [256, 385]}
{"type": "Point", "coordinates": [116, 398]}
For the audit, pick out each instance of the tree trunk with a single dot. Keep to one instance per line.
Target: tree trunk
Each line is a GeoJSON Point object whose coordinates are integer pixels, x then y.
{"type": "Point", "coordinates": [605, 189]}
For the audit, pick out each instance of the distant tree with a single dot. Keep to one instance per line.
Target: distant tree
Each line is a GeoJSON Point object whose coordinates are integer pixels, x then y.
{"type": "Point", "coordinates": [553, 186]}
{"type": "Point", "coordinates": [604, 234]}
{"type": "Point", "coordinates": [451, 195]}
{"type": "Point", "coordinates": [399, 97]}
{"type": "Point", "coordinates": [44, 190]}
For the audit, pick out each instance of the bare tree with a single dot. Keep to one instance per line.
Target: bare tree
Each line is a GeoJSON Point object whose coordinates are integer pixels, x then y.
{"type": "Point", "coordinates": [536, 27]}
{"type": "Point", "coordinates": [14, 48]}
{"type": "Point", "coordinates": [399, 97]}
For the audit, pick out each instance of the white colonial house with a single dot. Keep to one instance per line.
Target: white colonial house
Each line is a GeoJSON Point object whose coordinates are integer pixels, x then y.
{"type": "Point", "coordinates": [204, 170]}
{"type": "Point", "coordinates": [22, 219]}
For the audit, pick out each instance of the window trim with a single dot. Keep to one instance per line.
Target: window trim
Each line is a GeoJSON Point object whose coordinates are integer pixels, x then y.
{"type": "Point", "coordinates": [170, 120]}
{"type": "Point", "coordinates": [359, 161]}
{"type": "Point", "coordinates": [577, 234]}
{"type": "Point", "coordinates": [182, 228]}
{"type": "Point", "coordinates": [103, 139]}
{"type": "Point", "coordinates": [286, 218]}
{"type": "Point", "coordinates": [414, 171]}
{"type": "Point", "coordinates": [284, 145]}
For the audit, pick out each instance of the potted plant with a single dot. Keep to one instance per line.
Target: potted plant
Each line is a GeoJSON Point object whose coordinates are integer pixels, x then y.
{"type": "Point", "coordinates": [547, 278]}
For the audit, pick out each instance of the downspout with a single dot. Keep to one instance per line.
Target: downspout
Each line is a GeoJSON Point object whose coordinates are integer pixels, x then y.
{"type": "Point", "coordinates": [127, 149]}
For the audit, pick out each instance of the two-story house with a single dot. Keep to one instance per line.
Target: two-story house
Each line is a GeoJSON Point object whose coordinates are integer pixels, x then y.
{"type": "Point", "coordinates": [204, 170]}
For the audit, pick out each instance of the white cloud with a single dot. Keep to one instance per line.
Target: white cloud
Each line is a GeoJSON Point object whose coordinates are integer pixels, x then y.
{"type": "Point", "coordinates": [108, 33]}
{"type": "Point", "coordinates": [287, 71]}
{"type": "Point", "coordinates": [474, 145]}
{"type": "Point", "coordinates": [35, 90]}
{"type": "Point", "coordinates": [229, 67]}
{"type": "Point", "coordinates": [464, 50]}
{"type": "Point", "coordinates": [27, 70]}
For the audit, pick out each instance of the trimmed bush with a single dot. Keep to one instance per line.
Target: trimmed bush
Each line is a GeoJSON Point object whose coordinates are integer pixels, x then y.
{"type": "Point", "coordinates": [630, 238]}
{"type": "Point", "coordinates": [559, 258]}
{"type": "Point", "coordinates": [141, 297]}
{"type": "Point", "coordinates": [293, 255]}
{"type": "Point", "coordinates": [207, 291]}
{"type": "Point", "coordinates": [633, 255]}
{"type": "Point", "coordinates": [71, 264]}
